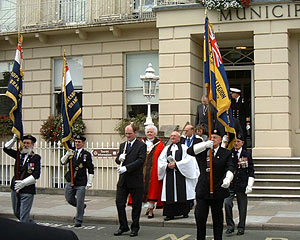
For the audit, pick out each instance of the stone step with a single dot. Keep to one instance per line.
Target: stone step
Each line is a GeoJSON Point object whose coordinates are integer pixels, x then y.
{"type": "Point", "coordinates": [277, 175]}
{"type": "Point", "coordinates": [276, 190]}
{"type": "Point", "coordinates": [277, 182]}
{"type": "Point", "coordinates": [278, 167]}
{"type": "Point", "coordinates": [272, 160]}
{"type": "Point", "coordinates": [283, 197]}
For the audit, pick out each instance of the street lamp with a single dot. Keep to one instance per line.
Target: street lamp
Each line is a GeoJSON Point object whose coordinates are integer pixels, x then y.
{"type": "Point", "coordinates": [149, 89]}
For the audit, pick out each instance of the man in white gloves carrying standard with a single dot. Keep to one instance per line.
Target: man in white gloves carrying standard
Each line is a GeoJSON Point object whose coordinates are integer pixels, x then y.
{"type": "Point", "coordinates": [82, 161]}
{"type": "Point", "coordinates": [25, 176]}
{"type": "Point", "coordinates": [241, 186]}
{"type": "Point", "coordinates": [222, 176]}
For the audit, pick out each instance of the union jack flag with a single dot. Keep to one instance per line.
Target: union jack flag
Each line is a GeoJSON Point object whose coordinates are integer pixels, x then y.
{"type": "Point", "coordinates": [216, 81]}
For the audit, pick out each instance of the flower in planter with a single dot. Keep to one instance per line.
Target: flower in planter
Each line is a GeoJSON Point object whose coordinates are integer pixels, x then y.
{"type": "Point", "coordinates": [51, 130]}
{"type": "Point", "coordinates": [225, 4]}
{"type": "Point", "coordinates": [5, 126]}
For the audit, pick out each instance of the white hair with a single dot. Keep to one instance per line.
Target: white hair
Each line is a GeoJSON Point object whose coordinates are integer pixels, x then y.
{"type": "Point", "coordinates": [149, 127]}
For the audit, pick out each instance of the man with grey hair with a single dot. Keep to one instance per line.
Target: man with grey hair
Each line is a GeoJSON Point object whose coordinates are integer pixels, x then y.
{"type": "Point", "coordinates": [179, 172]}
{"type": "Point", "coordinates": [202, 114]}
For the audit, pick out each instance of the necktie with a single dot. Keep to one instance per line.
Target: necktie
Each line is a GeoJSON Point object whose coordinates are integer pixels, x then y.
{"type": "Point", "coordinates": [213, 152]}
{"type": "Point", "coordinates": [188, 142]}
{"type": "Point", "coordinates": [76, 154]}
{"type": "Point", "coordinates": [128, 146]}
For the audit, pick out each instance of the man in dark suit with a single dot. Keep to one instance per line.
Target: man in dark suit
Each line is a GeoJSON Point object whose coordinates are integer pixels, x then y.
{"type": "Point", "coordinates": [131, 158]}
{"type": "Point", "coordinates": [13, 230]}
{"type": "Point", "coordinates": [240, 186]}
{"type": "Point", "coordinates": [81, 163]}
{"type": "Point", "coordinates": [25, 176]}
{"type": "Point", "coordinates": [201, 115]}
{"type": "Point", "coordinates": [222, 175]}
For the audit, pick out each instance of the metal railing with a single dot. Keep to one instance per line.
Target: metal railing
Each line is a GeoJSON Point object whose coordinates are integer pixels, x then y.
{"type": "Point", "coordinates": [31, 15]}
{"type": "Point", "coordinates": [52, 172]}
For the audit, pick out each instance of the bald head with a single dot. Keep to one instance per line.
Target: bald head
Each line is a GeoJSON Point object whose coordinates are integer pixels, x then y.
{"type": "Point", "coordinates": [189, 130]}
{"type": "Point", "coordinates": [175, 137]}
{"type": "Point", "coordinates": [130, 132]}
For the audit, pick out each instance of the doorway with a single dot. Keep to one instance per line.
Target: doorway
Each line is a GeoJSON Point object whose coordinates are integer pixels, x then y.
{"type": "Point", "coordinates": [241, 77]}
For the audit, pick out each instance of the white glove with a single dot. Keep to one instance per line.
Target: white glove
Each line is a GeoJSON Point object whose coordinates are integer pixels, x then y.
{"type": "Point", "coordinates": [90, 181]}
{"type": "Point", "coordinates": [121, 170]}
{"type": "Point", "coordinates": [19, 184]}
{"type": "Point", "coordinates": [227, 180]}
{"type": "Point", "coordinates": [202, 146]}
{"type": "Point", "coordinates": [250, 185]}
{"type": "Point", "coordinates": [122, 158]}
{"type": "Point", "coordinates": [224, 141]}
{"type": "Point", "coordinates": [11, 142]}
{"type": "Point", "coordinates": [65, 158]}
{"type": "Point", "coordinates": [209, 144]}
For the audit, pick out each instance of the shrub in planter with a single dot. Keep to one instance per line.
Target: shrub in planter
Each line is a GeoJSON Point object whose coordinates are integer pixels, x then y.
{"type": "Point", "coordinates": [51, 130]}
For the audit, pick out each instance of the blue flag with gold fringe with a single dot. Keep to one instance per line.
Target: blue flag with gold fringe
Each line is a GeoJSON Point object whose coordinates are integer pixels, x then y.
{"type": "Point", "coordinates": [216, 80]}
{"type": "Point", "coordinates": [70, 108]}
{"type": "Point", "coordinates": [14, 92]}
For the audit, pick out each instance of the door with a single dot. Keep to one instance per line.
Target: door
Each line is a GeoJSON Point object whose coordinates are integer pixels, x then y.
{"type": "Point", "coordinates": [241, 77]}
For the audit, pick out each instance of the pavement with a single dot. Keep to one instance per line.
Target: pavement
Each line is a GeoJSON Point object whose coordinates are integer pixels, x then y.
{"type": "Point", "coordinates": [262, 215]}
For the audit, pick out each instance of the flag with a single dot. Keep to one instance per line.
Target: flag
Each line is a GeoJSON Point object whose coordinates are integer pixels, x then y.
{"type": "Point", "coordinates": [14, 92]}
{"type": "Point", "coordinates": [70, 108]}
{"type": "Point", "coordinates": [217, 83]}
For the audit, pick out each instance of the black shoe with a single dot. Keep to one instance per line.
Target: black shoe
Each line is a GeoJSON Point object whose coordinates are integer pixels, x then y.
{"type": "Point", "coordinates": [240, 232]}
{"type": "Point", "coordinates": [77, 225]}
{"type": "Point", "coordinates": [120, 232]}
{"type": "Point", "coordinates": [168, 218]}
{"type": "Point", "coordinates": [84, 206]}
{"type": "Point", "coordinates": [229, 231]}
{"type": "Point", "coordinates": [151, 216]}
{"type": "Point", "coordinates": [185, 216]}
{"type": "Point", "coordinates": [133, 233]}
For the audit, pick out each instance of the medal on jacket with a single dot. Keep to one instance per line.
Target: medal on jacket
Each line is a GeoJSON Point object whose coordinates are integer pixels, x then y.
{"type": "Point", "coordinates": [84, 158]}
{"type": "Point", "coordinates": [243, 162]}
{"type": "Point", "coordinates": [30, 168]}
{"type": "Point", "coordinates": [80, 165]}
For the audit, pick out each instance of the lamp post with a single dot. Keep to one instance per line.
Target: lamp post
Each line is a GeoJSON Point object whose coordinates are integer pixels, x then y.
{"type": "Point", "coordinates": [149, 89]}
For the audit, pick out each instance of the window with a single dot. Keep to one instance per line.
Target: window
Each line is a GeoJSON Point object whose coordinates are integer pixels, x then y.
{"type": "Point", "coordinates": [136, 65]}
{"type": "Point", "coordinates": [147, 5]}
{"type": "Point", "coordinates": [6, 103]}
{"type": "Point", "coordinates": [71, 11]}
{"type": "Point", "coordinates": [8, 16]}
{"type": "Point", "coordinates": [75, 66]}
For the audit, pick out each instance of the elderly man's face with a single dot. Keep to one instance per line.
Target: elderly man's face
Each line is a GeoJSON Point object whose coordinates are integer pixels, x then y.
{"type": "Point", "coordinates": [175, 138]}
{"type": "Point", "coordinates": [234, 95]}
{"type": "Point", "coordinates": [204, 101]}
{"type": "Point", "coordinates": [129, 133]}
{"type": "Point", "coordinates": [150, 134]}
{"type": "Point", "coordinates": [216, 140]}
{"type": "Point", "coordinates": [189, 130]}
{"type": "Point", "coordinates": [238, 144]}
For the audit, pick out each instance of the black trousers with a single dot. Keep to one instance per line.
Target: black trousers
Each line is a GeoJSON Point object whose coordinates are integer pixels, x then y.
{"type": "Point", "coordinates": [121, 200]}
{"type": "Point", "coordinates": [201, 214]}
{"type": "Point", "coordinates": [242, 201]}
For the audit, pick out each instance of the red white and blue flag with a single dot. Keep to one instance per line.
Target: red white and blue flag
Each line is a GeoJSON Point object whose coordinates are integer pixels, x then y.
{"type": "Point", "coordinates": [217, 83]}
{"type": "Point", "coordinates": [70, 108]}
{"type": "Point", "coordinates": [14, 92]}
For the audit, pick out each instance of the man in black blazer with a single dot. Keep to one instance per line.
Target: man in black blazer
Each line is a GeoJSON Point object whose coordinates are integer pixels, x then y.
{"type": "Point", "coordinates": [25, 176]}
{"type": "Point", "coordinates": [81, 164]}
{"type": "Point", "coordinates": [222, 176]}
{"type": "Point", "coordinates": [241, 185]}
{"type": "Point", "coordinates": [131, 158]}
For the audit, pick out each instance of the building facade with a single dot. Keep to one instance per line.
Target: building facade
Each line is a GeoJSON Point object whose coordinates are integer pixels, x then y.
{"type": "Point", "coordinates": [110, 43]}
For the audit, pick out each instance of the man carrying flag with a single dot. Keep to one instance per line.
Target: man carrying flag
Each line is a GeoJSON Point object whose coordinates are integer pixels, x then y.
{"type": "Point", "coordinates": [27, 164]}
{"type": "Point", "coordinates": [81, 161]}
{"type": "Point", "coordinates": [216, 166]}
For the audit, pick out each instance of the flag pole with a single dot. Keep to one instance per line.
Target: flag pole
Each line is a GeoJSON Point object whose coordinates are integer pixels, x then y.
{"type": "Point", "coordinates": [211, 180]}
{"type": "Point", "coordinates": [64, 92]}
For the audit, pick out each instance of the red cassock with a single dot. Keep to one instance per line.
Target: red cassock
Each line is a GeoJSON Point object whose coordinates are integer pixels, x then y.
{"type": "Point", "coordinates": [152, 187]}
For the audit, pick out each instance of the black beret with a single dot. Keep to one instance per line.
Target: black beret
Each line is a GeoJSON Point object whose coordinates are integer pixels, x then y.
{"type": "Point", "coordinates": [82, 138]}
{"type": "Point", "coordinates": [216, 132]}
{"type": "Point", "coordinates": [30, 137]}
{"type": "Point", "coordinates": [241, 137]}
